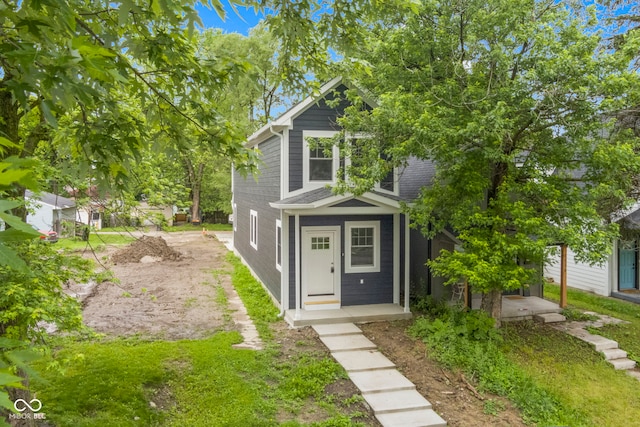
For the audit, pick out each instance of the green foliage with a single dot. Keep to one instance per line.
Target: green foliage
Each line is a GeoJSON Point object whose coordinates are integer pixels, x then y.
{"type": "Point", "coordinates": [468, 341]}
{"type": "Point", "coordinates": [35, 295]}
{"type": "Point", "coordinates": [515, 104]}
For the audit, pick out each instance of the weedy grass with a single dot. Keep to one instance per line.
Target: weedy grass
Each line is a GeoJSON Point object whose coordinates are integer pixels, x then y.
{"type": "Point", "coordinates": [553, 378]}
{"type": "Point", "coordinates": [133, 381]}
{"type": "Point", "coordinates": [97, 242]}
{"type": "Point", "coordinates": [468, 341]}
{"type": "Point", "coordinates": [573, 372]}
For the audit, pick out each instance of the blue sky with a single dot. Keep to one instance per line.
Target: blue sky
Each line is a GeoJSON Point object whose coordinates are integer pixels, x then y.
{"type": "Point", "coordinates": [233, 22]}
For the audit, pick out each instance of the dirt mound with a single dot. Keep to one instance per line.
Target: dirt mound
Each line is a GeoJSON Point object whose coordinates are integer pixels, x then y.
{"type": "Point", "coordinates": [146, 246]}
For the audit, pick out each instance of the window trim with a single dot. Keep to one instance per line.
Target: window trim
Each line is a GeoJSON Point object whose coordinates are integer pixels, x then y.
{"type": "Point", "coordinates": [376, 187]}
{"type": "Point", "coordinates": [278, 245]}
{"type": "Point", "coordinates": [253, 229]}
{"type": "Point", "coordinates": [306, 157]}
{"type": "Point", "coordinates": [375, 268]}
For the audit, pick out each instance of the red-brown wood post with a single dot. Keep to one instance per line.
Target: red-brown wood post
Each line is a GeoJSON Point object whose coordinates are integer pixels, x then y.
{"type": "Point", "coordinates": [563, 276]}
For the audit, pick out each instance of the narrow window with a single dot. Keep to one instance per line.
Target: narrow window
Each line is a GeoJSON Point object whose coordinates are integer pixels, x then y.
{"type": "Point", "coordinates": [253, 228]}
{"type": "Point", "coordinates": [278, 245]}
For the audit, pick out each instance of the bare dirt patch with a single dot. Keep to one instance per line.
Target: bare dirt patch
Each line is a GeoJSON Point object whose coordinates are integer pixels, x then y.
{"type": "Point", "coordinates": [172, 295]}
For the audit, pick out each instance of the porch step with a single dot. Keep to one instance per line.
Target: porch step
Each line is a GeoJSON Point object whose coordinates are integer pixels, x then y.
{"type": "Point", "coordinates": [614, 353]}
{"type": "Point", "coordinates": [381, 381]}
{"type": "Point", "coordinates": [396, 401]}
{"type": "Point", "coordinates": [347, 342]}
{"type": "Point", "coordinates": [622, 364]}
{"type": "Point", "coordinates": [599, 342]}
{"type": "Point", "coordinates": [549, 318]}
{"type": "Point", "coordinates": [363, 360]}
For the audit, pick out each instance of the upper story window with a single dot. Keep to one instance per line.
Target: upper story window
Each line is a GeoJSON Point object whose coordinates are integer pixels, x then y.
{"type": "Point", "coordinates": [358, 145]}
{"type": "Point", "coordinates": [320, 158]}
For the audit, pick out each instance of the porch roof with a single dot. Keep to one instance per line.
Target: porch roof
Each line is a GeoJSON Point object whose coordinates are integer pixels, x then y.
{"type": "Point", "coordinates": [322, 197]}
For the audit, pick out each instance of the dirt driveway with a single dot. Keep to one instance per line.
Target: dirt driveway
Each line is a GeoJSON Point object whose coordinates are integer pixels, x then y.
{"type": "Point", "coordinates": [172, 291]}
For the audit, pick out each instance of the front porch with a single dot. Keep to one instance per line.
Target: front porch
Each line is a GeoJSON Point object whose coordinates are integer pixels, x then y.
{"type": "Point", "coordinates": [347, 314]}
{"type": "Point", "coordinates": [517, 307]}
{"type": "Point", "coordinates": [514, 308]}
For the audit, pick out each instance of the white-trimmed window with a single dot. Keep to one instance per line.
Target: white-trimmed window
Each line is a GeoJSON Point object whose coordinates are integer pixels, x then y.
{"type": "Point", "coordinates": [253, 228]}
{"type": "Point", "coordinates": [388, 183]}
{"type": "Point", "coordinates": [279, 245]}
{"type": "Point", "coordinates": [362, 246]}
{"type": "Point", "coordinates": [320, 162]}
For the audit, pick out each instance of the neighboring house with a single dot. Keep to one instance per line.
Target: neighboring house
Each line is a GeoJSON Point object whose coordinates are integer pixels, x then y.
{"type": "Point", "coordinates": [618, 276]}
{"type": "Point", "coordinates": [313, 249]}
{"type": "Point", "coordinates": [149, 215]}
{"type": "Point", "coordinates": [49, 211]}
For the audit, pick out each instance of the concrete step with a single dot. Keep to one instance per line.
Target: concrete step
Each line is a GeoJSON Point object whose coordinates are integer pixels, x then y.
{"type": "Point", "coordinates": [337, 343]}
{"type": "Point", "coordinates": [599, 342]}
{"type": "Point", "coordinates": [614, 353]}
{"type": "Point", "coordinates": [336, 329]}
{"type": "Point", "coordinates": [362, 360]}
{"type": "Point", "coordinates": [549, 318]}
{"type": "Point", "coordinates": [380, 381]}
{"type": "Point", "coordinates": [621, 364]}
{"type": "Point", "coordinates": [417, 418]}
{"type": "Point", "coordinates": [396, 401]}
{"type": "Point", "coordinates": [635, 374]}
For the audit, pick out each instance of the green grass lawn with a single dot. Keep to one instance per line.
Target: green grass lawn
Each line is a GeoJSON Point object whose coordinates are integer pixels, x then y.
{"type": "Point", "coordinates": [573, 371]}
{"type": "Point", "coordinates": [135, 382]}
{"type": "Point", "coordinates": [97, 242]}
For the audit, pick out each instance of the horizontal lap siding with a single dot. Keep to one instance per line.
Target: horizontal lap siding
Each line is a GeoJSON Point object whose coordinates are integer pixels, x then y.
{"type": "Point", "coordinates": [377, 287]}
{"type": "Point", "coordinates": [317, 117]}
{"type": "Point", "coordinates": [580, 276]}
{"type": "Point", "coordinates": [256, 194]}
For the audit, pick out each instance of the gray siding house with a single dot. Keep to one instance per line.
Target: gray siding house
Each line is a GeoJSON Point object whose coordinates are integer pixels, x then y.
{"type": "Point", "coordinates": [315, 250]}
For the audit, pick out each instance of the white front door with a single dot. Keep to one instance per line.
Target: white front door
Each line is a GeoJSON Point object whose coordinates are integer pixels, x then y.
{"type": "Point", "coordinates": [321, 267]}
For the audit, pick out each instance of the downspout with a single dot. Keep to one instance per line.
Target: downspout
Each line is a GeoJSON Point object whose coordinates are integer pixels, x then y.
{"type": "Point", "coordinates": [284, 297]}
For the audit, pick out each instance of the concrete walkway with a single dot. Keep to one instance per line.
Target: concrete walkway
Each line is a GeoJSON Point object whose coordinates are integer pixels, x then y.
{"type": "Point", "coordinates": [393, 398]}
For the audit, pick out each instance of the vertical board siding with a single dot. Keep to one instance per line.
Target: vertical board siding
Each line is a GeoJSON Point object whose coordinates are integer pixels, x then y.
{"type": "Point", "coordinates": [377, 287]}
{"type": "Point", "coordinates": [256, 193]}
{"type": "Point", "coordinates": [580, 276]}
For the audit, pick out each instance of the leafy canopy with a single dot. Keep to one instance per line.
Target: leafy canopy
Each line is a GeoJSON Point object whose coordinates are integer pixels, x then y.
{"type": "Point", "coordinates": [513, 101]}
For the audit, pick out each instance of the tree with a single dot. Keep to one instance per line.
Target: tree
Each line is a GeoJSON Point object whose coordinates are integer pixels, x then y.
{"type": "Point", "coordinates": [513, 101]}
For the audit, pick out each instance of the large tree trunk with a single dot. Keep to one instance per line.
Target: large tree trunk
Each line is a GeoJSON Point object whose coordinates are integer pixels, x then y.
{"type": "Point", "coordinates": [492, 305]}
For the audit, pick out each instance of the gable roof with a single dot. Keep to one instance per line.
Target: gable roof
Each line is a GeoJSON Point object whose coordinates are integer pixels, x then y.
{"type": "Point", "coordinates": [58, 202]}
{"type": "Point", "coordinates": [285, 121]}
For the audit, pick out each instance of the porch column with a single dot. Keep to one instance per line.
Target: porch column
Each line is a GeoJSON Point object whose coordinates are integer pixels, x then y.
{"type": "Point", "coordinates": [284, 257]}
{"type": "Point", "coordinates": [563, 276]}
{"type": "Point", "coordinates": [407, 256]}
{"type": "Point", "coordinates": [297, 258]}
{"type": "Point", "coordinates": [396, 258]}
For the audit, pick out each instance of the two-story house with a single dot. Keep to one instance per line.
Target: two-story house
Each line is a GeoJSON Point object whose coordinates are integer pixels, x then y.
{"type": "Point", "coordinates": [314, 250]}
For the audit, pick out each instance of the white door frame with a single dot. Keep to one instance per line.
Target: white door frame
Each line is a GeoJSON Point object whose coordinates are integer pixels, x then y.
{"type": "Point", "coordinates": [322, 302]}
